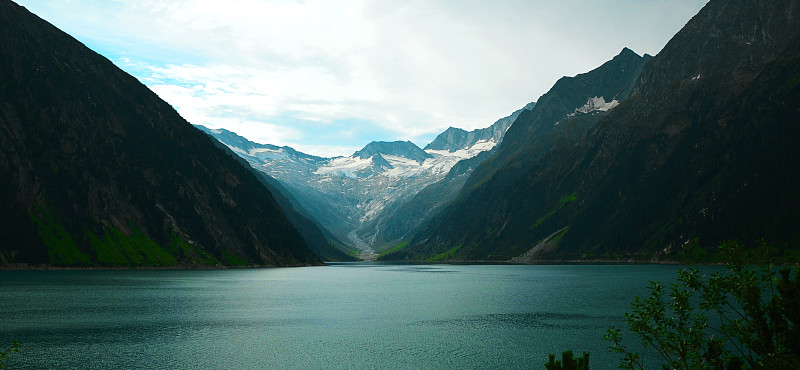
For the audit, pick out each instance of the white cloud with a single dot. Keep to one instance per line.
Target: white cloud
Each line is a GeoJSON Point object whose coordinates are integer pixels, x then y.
{"type": "Point", "coordinates": [290, 71]}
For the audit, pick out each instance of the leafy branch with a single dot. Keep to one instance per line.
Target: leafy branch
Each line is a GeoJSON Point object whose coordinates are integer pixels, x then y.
{"type": "Point", "coordinates": [745, 318]}
{"type": "Point", "coordinates": [4, 355]}
{"type": "Point", "coordinates": [756, 310]}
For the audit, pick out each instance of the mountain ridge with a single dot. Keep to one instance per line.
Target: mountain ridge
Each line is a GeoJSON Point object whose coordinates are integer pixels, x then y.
{"type": "Point", "coordinates": [404, 149]}
{"type": "Point", "coordinates": [454, 139]}
{"type": "Point", "coordinates": [693, 157]}
{"type": "Point", "coordinates": [96, 170]}
{"type": "Point", "coordinates": [380, 218]}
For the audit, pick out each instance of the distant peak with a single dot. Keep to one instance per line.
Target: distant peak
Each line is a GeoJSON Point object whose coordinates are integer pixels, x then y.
{"type": "Point", "coordinates": [628, 53]}
{"type": "Point", "coordinates": [456, 129]}
{"type": "Point", "coordinates": [405, 149]}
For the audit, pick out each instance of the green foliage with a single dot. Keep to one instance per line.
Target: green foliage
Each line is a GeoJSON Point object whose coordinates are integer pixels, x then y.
{"type": "Point", "coordinates": [355, 253]}
{"type": "Point", "coordinates": [180, 247]}
{"type": "Point", "coordinates": [446, 255]}
{"type": "Point", "coordinates": [557, 239]}
{"type": "Point", "coordinates": [107, 254]}
{"type": "Point", "coordinates": [569, 198]}
{"type": "Point", "coordinates": [116, 249]}
{"type": "Point", "coordinates": [394, 249]}
{"type": "Point", "coordinates": [112, 248]}
{"type": "Point", "coordinates": [745, 318]}
{"type": "Point", "coordinates": [234, 260]}
{"type": "Point", "coordinates": [568, 362]}
{"type": "Point", "coordinates": [61, 248]}
{"type": "Point", "coordinates": [693, 252]}
{"type": "Point", "coordinates": [4, 355]}
{"type": "Point", "coordinates": [562, 202]}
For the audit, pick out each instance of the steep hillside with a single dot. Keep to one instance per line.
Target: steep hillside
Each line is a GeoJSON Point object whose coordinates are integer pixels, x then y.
{"type": "Point", "coordinates": [401, 220]}
{"type": "Point", "coordinates": [324, 244]}
{"type": "Point", "coordinates": [565, 112]}
{"type": "Point", "coordinates": [96, 170]}
{"type": "Point", "coordinates": [703, 150]}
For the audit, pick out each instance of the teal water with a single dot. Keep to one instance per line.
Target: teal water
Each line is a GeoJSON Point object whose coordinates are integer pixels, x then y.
{"type": "Point", "coordinates": [337, 316]}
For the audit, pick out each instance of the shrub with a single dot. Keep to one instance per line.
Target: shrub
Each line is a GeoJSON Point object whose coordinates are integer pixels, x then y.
{"type": "Point", "coordinates": [568, 362]}
{"type": "Point", "coordinates": [744, 318]}
{"type": "Point", "coordinates": [4, 355]}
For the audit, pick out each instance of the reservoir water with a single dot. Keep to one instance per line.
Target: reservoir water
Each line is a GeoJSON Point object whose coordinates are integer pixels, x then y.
{"type": "Point", "coordinates": [359, 315]}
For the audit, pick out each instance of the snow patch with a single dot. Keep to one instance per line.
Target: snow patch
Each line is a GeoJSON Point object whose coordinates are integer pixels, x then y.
{"type": "Point", "coordinates": [346, 166]}
{"type": "Point", "coordinates": [404, 167]}
{"type": "Point", "coordinates": [475, 149]}
{"type": "Point", "coordinates": [595, 104]}
{"type": "Point", "coordinates": [265, 153]}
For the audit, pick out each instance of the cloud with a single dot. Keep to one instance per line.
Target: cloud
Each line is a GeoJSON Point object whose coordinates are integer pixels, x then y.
{"type": "Point", "coordinates": [332, 75]}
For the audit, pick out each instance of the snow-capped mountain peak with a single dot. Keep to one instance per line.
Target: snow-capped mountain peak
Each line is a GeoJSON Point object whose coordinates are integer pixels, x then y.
{"type": "Point", "coordinates": [404, 149]}
{"type": "Point", "coordinates": [346, 194]}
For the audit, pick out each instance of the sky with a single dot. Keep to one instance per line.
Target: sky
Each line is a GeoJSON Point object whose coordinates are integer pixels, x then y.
{"type": "Point", "coordinates": [327, 77]}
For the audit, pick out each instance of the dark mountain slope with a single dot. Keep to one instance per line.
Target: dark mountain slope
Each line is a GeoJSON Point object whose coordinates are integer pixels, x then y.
{"type": "Point", "coordinates": [454, 139]}
{"type": "Point", "coordinates": [403, 220]}
{"type": "Point", "coordinates": [321, 241]}
{"type": "Point", "coordinates": [95, 169]}
{"type": "Point", "coordinates": [535, 132]}
{"type": "Point", "coordinates": [558, 116]}
{"type": "Point", "coordinates": [704, 150]}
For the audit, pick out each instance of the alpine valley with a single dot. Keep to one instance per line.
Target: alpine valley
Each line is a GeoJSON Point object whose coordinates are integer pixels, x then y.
{"type": "Point", "coordinates": [644, 158]}
{"type": "Point", "coordinates": [383, 193]}
{"type": "Point", "coordinates": [357, 197]}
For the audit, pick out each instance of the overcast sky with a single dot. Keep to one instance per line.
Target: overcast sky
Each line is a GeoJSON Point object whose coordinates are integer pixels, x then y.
{"type": "Point", "coordinates": [327, 77]}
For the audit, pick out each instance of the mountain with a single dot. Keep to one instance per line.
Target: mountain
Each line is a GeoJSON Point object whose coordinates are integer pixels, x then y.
{"type": "Point", "coordinates": [701, 151]}
{"type": "Point", "coordinates": [403, 219]}
{"type": "Point", "coordinates": [454, 139]}
{"type": "Point", "coordinates": [320, 241]}
{"type": "Point", "coordinates": [352, 196]}
{"type": "Point", "coordinates": [96, 170]}
{"type": "Point", "coordinates": [566, 112]}
{"type": "Point", "coordinates": [404, 149]}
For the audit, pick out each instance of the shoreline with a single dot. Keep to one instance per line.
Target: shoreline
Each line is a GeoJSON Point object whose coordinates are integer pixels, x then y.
{"type": "Point", "coordinates": [24, 267]}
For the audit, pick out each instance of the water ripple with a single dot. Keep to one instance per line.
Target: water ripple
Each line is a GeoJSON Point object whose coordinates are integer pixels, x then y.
{"type": "Point", "coordinates": [550, 320]}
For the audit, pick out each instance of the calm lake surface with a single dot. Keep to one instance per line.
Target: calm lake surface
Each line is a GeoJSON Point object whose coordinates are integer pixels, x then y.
{"type": "Point", "coordinates": [359, 315]}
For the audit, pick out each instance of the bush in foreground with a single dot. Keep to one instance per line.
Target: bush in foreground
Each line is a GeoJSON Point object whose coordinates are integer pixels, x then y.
{"type": "Point", "coordinates": [568, 362]}
{"type": "Point", "coordinates": [745, 318]}
{"type": "Point", "coordinates": [4, 355]}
